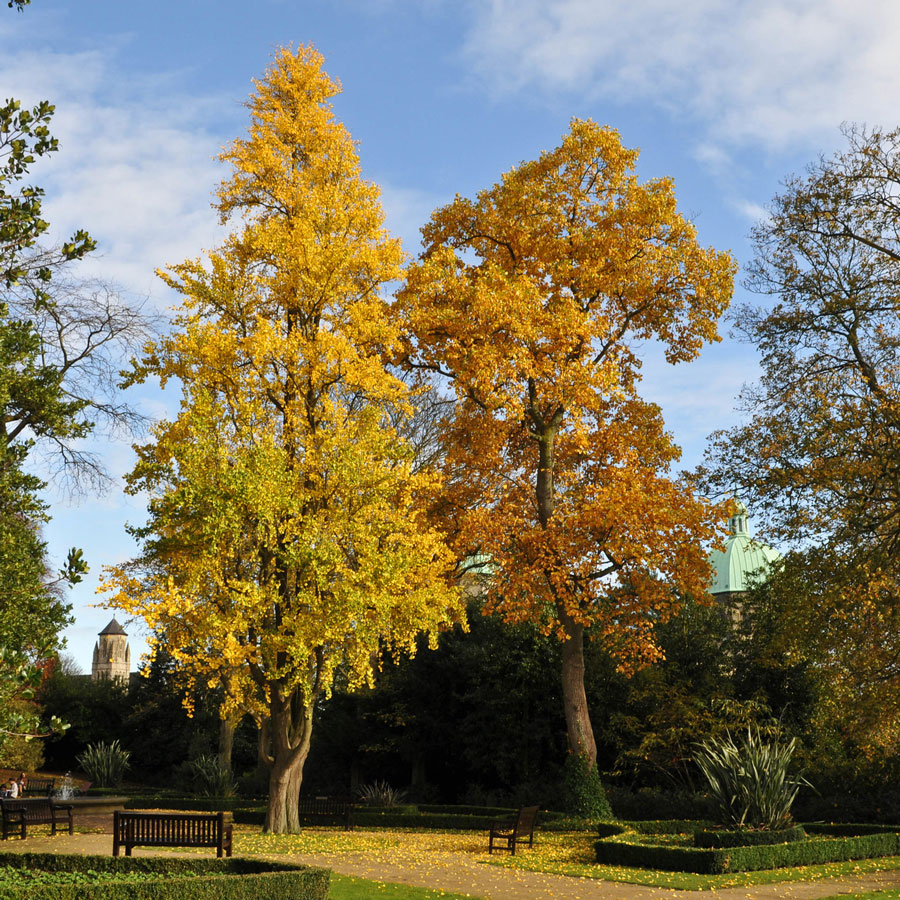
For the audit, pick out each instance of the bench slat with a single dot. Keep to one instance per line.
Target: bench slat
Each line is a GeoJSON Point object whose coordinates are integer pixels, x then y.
{"type": "Point", "coordinates": [158, 829]}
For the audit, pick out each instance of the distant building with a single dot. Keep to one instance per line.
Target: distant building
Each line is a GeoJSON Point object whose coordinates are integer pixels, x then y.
{"type": "Point", "coordinates": [112, 655]}
{"type": "Point", "coordinates": [742, 557]}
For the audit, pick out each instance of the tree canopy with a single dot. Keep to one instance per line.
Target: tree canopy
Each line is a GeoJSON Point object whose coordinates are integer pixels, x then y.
{"type": "Point", "coordinates": [287, 535]}
{"type": "Point", "coordinates": [530, 300]}
{"type": "Point", "coordinates": [819, 451]}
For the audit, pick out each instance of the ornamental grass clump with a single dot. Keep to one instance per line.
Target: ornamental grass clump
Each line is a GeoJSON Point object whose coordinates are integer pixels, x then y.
{"type": "Point", "coordinates": [748, 779]}
{"type": "Point", "coordinates": [211, 778]}
{"type": "Point", "coordinates": [105, 764]}
{"type": "Point", "coordinates": [380, 793]}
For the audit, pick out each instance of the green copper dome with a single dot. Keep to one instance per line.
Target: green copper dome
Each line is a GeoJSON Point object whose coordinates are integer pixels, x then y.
{"type": "Point", "coordinates": [742, 556]}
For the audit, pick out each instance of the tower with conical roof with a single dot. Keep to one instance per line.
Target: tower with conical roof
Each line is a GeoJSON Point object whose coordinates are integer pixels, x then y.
{"type": "Point", "coordinates": [112, 655]}
{"type": "Point", "coordinates": [742, 558]}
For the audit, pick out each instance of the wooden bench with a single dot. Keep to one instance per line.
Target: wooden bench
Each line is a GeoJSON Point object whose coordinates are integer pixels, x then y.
{"type": "Point", "coordinates": [163, 829]}
{"type": "Point", "coordinates": [20, 812]}
{"type": "Point", "coordinates": [516, 830]}
{"type": "Point", "coordinates": [330, 808]}
{"type": "Point", "coordinates": [39, 787]}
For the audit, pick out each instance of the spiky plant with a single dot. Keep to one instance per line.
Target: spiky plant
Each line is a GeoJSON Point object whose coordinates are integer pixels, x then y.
{"type": "Point", "coordinates": [210, 778]}
{"type": "Point", "coordinates": [749, 780]}
{"type": "Point", "coordinates": [105, 764]}
{"type": "Point", "coordinates": [380, 793]}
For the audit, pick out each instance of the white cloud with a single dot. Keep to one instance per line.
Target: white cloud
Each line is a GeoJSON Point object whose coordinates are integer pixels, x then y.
{"type": "Point", "coordinates": [406, 210]}
{"type": "Point", "coordinates": [764, 72]}
{"type": "Point", "coordinates": [135, 167]}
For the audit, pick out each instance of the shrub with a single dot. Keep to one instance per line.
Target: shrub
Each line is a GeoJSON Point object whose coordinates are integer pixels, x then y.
{"type": "Point", "coordinates": [584, 795]}
{"type": "Point", "coordinates": [105, 764]}
{"type": "Point", "coordinates": [260, 880]}
{"type": "Point", "coordinates": [744, 837]}
{"type": "Point", "coordinates": [749, 779]}
{"type": "Point", "coordinates": [703, 861]}
{"type": "Point", "coordinates": [380, 793]}
{"type": "Point", "coordinates": [658, 803]}
{"type": "Point", "coordinates": [210, 778]}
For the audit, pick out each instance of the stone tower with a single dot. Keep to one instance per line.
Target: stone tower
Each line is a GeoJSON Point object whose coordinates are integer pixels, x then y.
{"type": "Point", "coordinates": [112, 655]}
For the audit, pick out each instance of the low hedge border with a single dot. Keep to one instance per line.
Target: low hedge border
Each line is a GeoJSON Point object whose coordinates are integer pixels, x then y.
{"type": "Point", "coordinates": [394, 818]}
{"type": "Point", "coordinates": [702, 861]}
{"type": "Point", "coordinates": [382, 819]}
{"type": "Point", "coordinates": [496, 812]}
{"type": "Point", "coordinates": [738, 837]}
{"type": "Point", "coordinates": [192, 804]}
{"type": "Point", "coordinates": [666, 826]}
{"type": "Point", "coordinates": [254, 879]}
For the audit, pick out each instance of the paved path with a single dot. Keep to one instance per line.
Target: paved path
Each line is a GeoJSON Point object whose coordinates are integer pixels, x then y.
{"type": "Point", "coordinates": [465, 873]}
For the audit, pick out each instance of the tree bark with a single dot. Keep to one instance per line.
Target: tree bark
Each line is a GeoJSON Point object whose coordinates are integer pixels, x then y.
{"type": "Point", "coordinates": [227, 727]}
{"type": "Point", "coordinates": [579, 731]}
{"type": "Point", "coordinates": [290, 731]}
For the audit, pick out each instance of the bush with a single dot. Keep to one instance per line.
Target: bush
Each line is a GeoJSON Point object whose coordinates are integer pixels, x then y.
{"type": "Point", "coordinates": [743, 837]}
{"type": "Point", "coordinates": [702, 861]}
{"type": "Point", "coordinates": [259, 880]}
{"type": "Point", "coordinates": [656, 803]}
{"type": "Point", "coordinates": [105, 764]}
{"type": "Point", "coordinates": [380, 793]}
{"type": "Point", "coordinates": [210, 778]}
{"type": "Point", "coordinates": [186, 804]}
{"type": "Point", "coordinates": [749, 779]}
{"type": "Point", "coordinates": [17, 753]}
{"type": "Point", "coordinates": [583, 791]}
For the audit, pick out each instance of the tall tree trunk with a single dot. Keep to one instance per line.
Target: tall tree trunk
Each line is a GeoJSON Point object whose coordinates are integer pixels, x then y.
{"type": "Point", "coordinates": [227, 727]}
{"type": "Point", "coordinates": [579, 731]}
{"type": "Point", "coordinates": [290, 728]}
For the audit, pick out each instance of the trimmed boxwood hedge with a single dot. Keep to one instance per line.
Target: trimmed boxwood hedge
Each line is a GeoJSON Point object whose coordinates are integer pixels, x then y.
{"type": "Point", "coordinates": [741, 837]}
{"type": "Point", "coordinates": [666, 826]}
{"type": "Point", "coordinates": [496, 812]}
{"type": "Point", "coordinates": [702, 861]}
{"type": "Point", "coordinates": [370, 818]}
{"type": "Point", "coordinates": [246, 879]}
{"type": "Point", "coordinates": [192, 804]}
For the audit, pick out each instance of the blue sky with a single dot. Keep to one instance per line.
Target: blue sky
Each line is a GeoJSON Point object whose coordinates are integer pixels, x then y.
{"type": "Point", "coordinates": [727, 98]}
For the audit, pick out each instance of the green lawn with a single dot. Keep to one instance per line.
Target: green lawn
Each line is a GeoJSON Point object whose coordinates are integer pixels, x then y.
{"type": "Point", "coordinates": [344, 887]}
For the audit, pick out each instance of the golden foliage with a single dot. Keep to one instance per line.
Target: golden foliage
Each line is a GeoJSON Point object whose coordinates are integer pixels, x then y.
{"type": "Point", "coordinates": [287, 536]}
{"type": "Point", "coordinates": [530, 299]}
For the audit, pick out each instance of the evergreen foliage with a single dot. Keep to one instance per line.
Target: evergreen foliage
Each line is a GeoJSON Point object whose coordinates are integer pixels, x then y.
{"type": "Point", "coordinates": [584, 793]}
{"type": "Point", "coordinates": [749, 780]}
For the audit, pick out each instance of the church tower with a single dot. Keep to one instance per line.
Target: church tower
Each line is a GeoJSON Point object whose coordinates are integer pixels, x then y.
{"type": "Point", "coordinates": [112, 655]}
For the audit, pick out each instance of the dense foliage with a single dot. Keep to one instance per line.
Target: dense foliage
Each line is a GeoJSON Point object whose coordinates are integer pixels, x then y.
{"type": "Point", "coordinates": [818, 452]}
{"type": "Point", "coordinates": [287, 538]}
{"type": "Point", "coordinates": [529, 300]}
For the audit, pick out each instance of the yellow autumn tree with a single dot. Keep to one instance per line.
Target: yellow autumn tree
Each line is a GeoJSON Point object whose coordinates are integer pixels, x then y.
{"type": "Point", "coordinates": [286, 537]}
{"type": "Point", "coordinates": [530, 300]}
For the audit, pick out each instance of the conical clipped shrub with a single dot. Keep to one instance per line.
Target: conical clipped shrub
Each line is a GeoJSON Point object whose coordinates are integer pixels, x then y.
{"type": "Point", "coordinates": [749, 780]}
{"type": "Point", "coordinates": [585, 795]}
